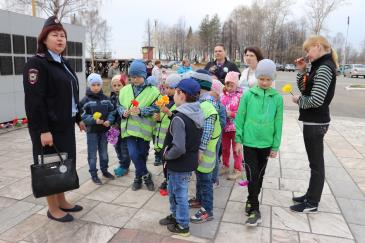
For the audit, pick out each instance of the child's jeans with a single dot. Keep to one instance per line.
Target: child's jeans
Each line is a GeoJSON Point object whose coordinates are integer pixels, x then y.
{"type": "Point", "coordinates": [227, 140]}
{"type": "Point", "coordinates": [97, 142]}
{"type": "Point", "coordinates": [178, 187]}
{"type": "Point", "coordinates": [255, 165]}
{"type": "Point", "coordinates": [204, 191]}
{"type": "Point", "coordinates": [138, 152]}
{"type": "Point", "coordinates": [215, 176]}
{"type": "Point", "coordinates": [121, 148]}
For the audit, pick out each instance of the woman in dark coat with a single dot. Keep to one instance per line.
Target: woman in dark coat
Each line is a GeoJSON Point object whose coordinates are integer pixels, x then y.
{"type": "Point", "coordinates": [52, 106]}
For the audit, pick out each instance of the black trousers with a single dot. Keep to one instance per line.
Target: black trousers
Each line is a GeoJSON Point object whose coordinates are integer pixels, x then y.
{"type": "Point", "coordinates": [255, 165]}
{"type": "Point", "coordinates": [313, 140]}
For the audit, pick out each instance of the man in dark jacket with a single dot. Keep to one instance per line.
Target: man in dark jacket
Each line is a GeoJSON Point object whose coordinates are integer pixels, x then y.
{"type": "Point", "coordinates": [220, 66]}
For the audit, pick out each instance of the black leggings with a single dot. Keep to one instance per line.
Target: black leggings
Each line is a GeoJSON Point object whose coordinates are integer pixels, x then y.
{"type": "Point", "coordinates": [255, 160]}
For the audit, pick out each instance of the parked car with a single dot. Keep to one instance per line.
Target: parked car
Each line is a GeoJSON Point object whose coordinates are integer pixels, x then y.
{"type": "Point", "coordinates": [171, 64]}
{"type": "Point", "coordinates": [354, 70]}
{"type": "Point", "coordinates": [279, 67]}
{"type": "Point", "coordinates": [289, 68]}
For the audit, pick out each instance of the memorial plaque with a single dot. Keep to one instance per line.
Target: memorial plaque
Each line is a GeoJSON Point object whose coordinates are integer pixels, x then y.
{"type": "Point", "coordinates": [18, 44]}
{"type": "Point", "coordinates": [6, 65]}
{"type": "Point", "coordinates": [78, 49]}
{"type": "Point", "coordinates": [31, 45]}
{"type": "Point", "coordinates": [5, 43]}
{"type": "Point", "coordinates": [71, 48]}
{"type": "Point", "coordinates": [19, 63]}
{"type": "Point", "coordinates": [78, 65]}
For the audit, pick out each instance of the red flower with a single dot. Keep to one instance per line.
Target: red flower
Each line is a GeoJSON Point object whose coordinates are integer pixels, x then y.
{"type": "Point", "coordinates": [24, 121]}
{"type": "Point", "coordinates": [134, 103]}
{"type": "Point", "coordinates": [15, 121]}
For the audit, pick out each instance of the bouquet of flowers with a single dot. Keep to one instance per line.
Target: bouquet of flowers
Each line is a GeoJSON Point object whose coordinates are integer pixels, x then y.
{"type": "Point", "coordinates": [112, 135]}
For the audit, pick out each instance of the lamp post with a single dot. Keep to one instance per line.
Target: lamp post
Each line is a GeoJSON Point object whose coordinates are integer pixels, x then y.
{"type": "Point", "coordinates": [344, 53]}
{"type": "Point", "coordinates": [33, 8]}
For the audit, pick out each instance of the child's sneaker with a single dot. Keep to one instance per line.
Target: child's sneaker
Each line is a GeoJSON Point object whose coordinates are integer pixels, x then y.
{"type": "Point", "coordinates": [223, 170]}
{"type": "Point", "coordinates": [96, 180]}
{"type": "Point", "coordinates": [305, 207]}
{"type": "Point", "coordinates": [235, 175]}
{"type": "Point", "coordinates": [148, 182]}
{"type": "Point", "coordinates": [168, 220]}
{"type": "Point", "coordinates": [300, 199]}
{"type": "Point", "coordinates": [254, 218]}
{"type": "Point", "coordinates": [137, 183]}
{"type": "Point", "coordinates": [120, 171]}
{"type": "Point", "coordinates": [194, 203]}
{"type": "Point", "coordinates": [158, 161]}
{"type": "Point", "coordinates": [248, 208]}
{"type": "Point", "coordinates": [163, 189]}
{"type": "Point", "coordinates": [108, 175]}
{"type": "Point", "coordinates": [201, 216]}
{"type": "Point", "coordinates": [178, 230]}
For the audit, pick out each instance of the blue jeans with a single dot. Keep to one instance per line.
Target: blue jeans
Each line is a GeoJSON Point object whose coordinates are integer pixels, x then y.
{"type": "Point", "coordinates": [97, 142]}
{"type": "Point", "coordinates": [178, 187]}
{"type": "Point", "coordinates": [138, 152]}
{"type": "Point", "coordinates": [204, 191]}
{"type": "Point", "coordinates": [121, 148]}
{"type": "Point", "coordinates": [215, 176]}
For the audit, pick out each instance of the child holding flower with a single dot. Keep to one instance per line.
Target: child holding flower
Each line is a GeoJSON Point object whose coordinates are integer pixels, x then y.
{"type": "Point", "coordinates": [121, 148]}
{"type": "Point", "coordinates": [97, 114]}
{"type": "Point", "coordinates": [137, 106]}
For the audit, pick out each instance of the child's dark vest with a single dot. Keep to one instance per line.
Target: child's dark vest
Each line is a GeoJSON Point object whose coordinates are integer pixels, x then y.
{"type": "Point", "coordinates": [320, 114]}
{"type": "Point", "coordinates": [188, 161]}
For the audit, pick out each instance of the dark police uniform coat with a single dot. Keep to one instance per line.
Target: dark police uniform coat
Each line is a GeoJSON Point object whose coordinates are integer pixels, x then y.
{"type": "Point", "coordinates": [49, 88]}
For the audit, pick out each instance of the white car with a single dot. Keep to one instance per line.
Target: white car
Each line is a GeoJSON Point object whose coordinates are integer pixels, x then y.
{"type": "Point", "coordinates": [354, 70]}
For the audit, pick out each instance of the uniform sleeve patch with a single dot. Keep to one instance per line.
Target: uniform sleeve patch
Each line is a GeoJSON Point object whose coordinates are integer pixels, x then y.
{"type": "Point", "coordinates": [33, 76]}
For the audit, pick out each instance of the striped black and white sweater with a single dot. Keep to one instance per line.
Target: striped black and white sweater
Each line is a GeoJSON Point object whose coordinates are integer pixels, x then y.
{"type": "Point", "coordinates": [317, 91]}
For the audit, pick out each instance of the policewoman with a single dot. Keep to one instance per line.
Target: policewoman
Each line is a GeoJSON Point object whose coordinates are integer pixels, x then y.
{"type": "Point", "coordinates": [52, 106]}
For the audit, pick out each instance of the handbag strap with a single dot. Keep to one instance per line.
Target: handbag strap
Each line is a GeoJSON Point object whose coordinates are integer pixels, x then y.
{"type": "Point", "coordinates": [57, 151]}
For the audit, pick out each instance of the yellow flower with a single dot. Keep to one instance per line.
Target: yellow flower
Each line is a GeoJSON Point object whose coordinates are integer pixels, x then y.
{"type": "Point", "coordinates": [96, 115]}
{"type": "Point", "coordinates": [165, 99]}
{"type": "Point", "coordinates": [287, 88]}
{"type": "Point", "coordinates": [159, 103]}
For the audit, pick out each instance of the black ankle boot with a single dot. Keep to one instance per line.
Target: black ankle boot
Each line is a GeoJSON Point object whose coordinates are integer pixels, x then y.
{"type": "Point", "coordinates": [148, 182]}
{"type": "Point", "coordinates": [137, 183]}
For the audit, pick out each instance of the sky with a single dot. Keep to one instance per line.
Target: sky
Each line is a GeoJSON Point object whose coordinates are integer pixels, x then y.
{"type": "Point", "coordinates": [127, 19]}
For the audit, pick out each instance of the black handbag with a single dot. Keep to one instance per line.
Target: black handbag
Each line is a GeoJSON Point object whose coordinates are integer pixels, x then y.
{"type": "Point", "coordinates": [55, 177]}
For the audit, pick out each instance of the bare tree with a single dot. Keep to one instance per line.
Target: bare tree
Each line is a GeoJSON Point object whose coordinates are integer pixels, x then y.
{"type": "Point", "coordinates": [95, 28]}
{"type": "Point", "coordinates": [60, 8]}
{"type": "Point", "coordinates": [319, 10]}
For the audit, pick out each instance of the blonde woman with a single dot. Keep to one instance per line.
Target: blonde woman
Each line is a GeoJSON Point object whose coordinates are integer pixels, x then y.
{"type": "Point", "coordinates": [317, 90]}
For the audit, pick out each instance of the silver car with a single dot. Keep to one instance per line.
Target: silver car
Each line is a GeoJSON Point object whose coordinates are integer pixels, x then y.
{"type": "Point", "coordinates": [354, 70]}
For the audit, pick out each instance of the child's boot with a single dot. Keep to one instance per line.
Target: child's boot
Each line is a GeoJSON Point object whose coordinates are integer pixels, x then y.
{"type": "Point", "coordinates": [120, 171]}
{"type": "Point", "coordinates": [148, 182]}
{"type": "Point", "coordinates": [137, 183]}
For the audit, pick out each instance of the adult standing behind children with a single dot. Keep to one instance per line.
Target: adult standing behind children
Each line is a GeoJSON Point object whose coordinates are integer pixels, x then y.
{"type": "Point", "coordinates": [51, 91]}
{"type": "Point", "coordinates": [182, 153]}
{"type": "Point", "coordinates": [220, 66]}
{"type": "Point", "coordinates": [157, 72]}
{"type": "Point", "coordinates": [184, 67]}
{"type": "Point", "coordinates": [253, 55]}
{"type": "Point", "coordinates": [137, 106]}
{"type": "Point", "coordinates": [317, 90]}
{"type": "Point", "coordinates": [113, 69]}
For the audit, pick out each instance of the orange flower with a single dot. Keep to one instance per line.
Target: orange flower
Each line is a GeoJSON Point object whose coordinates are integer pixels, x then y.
{"type": "Point", "coordinates": [165, 99]}
{"type": "Point", "coordinates": [159, 103]}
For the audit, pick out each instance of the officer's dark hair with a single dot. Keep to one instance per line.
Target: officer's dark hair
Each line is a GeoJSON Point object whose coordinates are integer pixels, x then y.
{"type": "Point", "coordinates": [42, 48]}
{"type": "Point", "coordinates": [256, 50]}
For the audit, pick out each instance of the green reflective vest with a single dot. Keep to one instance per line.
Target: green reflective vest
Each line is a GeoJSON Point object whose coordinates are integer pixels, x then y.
{"type": "Point", "coordinates": [137, 126]}
{"type": "Point", "coordinates": [207, 163]}
{"type": "Point", "coordinates": [161, 129]}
